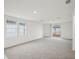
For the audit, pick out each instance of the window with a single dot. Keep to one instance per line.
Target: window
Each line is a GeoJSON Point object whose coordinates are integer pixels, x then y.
{"type": "Point", "coordinates": [21, 28]}
{"type": "Point", "coordinates": [56, 28]}
{"type": "Point", "coordinates": [56, 31]}
{"type": "Point", "coordinates": [11, 28]}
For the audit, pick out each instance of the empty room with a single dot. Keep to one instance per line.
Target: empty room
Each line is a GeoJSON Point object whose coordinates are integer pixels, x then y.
{"type": "Point", "coordinates": [39, 29]}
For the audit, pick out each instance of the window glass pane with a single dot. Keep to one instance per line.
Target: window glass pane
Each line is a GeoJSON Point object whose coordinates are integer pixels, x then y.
{"type": "Point", "coordinates": [21, 28]}
{"type": "Point", "coordinates": [11, 28]}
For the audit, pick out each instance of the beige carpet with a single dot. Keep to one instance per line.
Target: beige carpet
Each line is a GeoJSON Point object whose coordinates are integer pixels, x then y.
{"type": "Point", "coordinates": [45, 48]}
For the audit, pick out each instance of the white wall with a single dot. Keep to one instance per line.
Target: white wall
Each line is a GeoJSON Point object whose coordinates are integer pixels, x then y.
{"type": "Point", "coordinates": [46, 30]}
{"type": "Point", "coordinates": [34, 31]}
{"type": "Point", "coordinates": [66, 30]}
{"type": "Point", "coordinates": [73, 46]}
{"type": "Point", "coordinates": [5, 57]}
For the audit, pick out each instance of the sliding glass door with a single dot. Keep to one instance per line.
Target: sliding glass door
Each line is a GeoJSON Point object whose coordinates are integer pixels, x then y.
{"type": "Point", "coordinates": [56, 31]}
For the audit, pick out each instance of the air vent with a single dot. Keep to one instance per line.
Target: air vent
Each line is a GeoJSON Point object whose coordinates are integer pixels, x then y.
{"type": "Point", "coordinates": [68, 1]}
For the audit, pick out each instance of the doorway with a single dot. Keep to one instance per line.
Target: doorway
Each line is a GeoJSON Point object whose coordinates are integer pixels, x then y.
{"type": "Point", "coordinates": [56, 31]}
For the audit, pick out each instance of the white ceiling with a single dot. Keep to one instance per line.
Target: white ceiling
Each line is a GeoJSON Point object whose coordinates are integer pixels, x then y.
{"type": "Point", "coordinates": [46, 9]}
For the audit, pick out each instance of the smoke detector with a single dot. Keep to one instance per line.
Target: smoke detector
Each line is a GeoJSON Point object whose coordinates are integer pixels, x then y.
{"type": "Point", "coordinates": [68, 1]}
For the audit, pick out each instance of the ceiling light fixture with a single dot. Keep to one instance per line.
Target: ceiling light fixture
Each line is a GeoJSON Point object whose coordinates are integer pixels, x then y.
{"type": "Point", "coordinates": [35, 12]}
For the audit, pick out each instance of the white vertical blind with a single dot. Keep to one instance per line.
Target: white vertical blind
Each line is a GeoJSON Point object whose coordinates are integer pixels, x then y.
{"type": "Point", "coordinates": [11, 28]}
{"type": "Point", "coordinates": [21, 29]}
